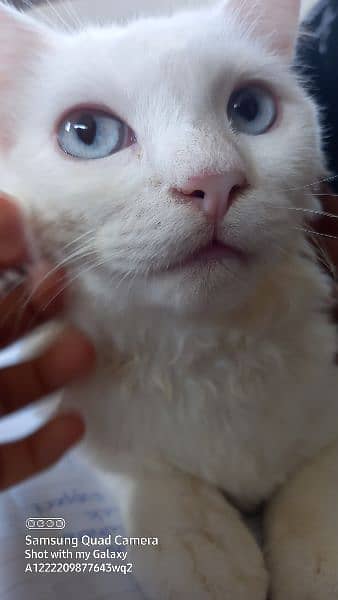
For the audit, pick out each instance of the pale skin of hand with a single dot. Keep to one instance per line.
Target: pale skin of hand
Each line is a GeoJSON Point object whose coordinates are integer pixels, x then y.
{"type": "Point", "coordinates": [70, 357]}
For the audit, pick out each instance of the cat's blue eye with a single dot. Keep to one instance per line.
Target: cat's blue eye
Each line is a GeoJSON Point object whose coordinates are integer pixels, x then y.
{"type": "Point", "coordinates": [252, 110]}
{"type": "Point", "coordinates": [90, 134]}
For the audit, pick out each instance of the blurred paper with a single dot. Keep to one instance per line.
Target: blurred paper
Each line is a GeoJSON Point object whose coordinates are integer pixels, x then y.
{"type": "Point", "coordinates": [75, 492]}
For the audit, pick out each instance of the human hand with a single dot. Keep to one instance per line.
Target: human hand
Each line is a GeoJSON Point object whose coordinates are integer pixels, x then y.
{"type": "Point", "coordinates": [70, 356]}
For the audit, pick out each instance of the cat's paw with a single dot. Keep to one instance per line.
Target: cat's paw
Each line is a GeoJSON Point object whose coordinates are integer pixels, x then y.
{"type": "Point", "coordinates": [302, 534]}
{"type": "Point", "coordinates": [197, 566]}
{"type": "Point", "coordinates": [304, 572]}
{"type": "Point", "coordinates": [205, 551]}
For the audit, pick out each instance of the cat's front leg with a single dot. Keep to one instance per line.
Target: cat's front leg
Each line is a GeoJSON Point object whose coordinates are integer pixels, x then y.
{"type": "Point", "coordinates": [301, 526]}
{"type": "Point", "coordinates": [205, 551]}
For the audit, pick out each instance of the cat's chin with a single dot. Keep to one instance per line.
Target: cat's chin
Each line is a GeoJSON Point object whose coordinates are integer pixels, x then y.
{"type": "Point", "coordinates": [216, 280]}
{"type": "Point", "coordinates": [211, 256]}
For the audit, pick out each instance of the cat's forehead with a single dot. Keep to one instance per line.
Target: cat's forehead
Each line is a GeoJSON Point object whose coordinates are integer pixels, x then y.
{"type": "Point", "coordinates": [152, 63]}
{"type": "Point", "coordinates": [181, 48]}
{"type": "Point", "coordinates": [183, 39]}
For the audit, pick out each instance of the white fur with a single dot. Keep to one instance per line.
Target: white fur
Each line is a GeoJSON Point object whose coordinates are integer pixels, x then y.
{"type": "Point", "coordinates": [207, 379]}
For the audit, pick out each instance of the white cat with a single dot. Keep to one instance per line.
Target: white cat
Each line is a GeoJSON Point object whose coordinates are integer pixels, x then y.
{"type": "Point", "coordinates": [190, 270]}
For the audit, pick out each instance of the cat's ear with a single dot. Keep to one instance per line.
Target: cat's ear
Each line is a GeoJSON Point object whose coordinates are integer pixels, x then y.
{"type": "Point", "coordinates": [276, 20]}
{"type": "Point", "coordinates": [20, 36]}
{"type": "Point", "coordinates": [22, 40]}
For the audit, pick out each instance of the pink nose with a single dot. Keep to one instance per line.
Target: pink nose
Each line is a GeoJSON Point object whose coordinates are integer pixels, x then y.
{"type": "Point", "coordinates": [213, 194]}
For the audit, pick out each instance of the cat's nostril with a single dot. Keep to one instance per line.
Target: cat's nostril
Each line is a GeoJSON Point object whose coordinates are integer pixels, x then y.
{"type": "Point", "coordinates": [234, 192]}
{"type": "Point", "coordinates": [213, 193]}
{"type": "Point", "coordinates": [197, 194]}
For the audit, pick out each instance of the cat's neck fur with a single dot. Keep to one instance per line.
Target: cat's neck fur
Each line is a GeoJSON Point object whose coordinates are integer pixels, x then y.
{"type": "Point", "coordinates": [284, 301]}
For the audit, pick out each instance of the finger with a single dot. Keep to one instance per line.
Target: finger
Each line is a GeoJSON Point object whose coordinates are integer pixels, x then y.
{"type": "Point", "coordinates": [47, 287]}
{"type": "Point", "coordinates": [33, 303]}
{"type": "Point", "coordinates": [70, 357]}
{"type": "Point", "coordinates": [28, 457]}
{"type": "Point", "coordinates": [13, 246]}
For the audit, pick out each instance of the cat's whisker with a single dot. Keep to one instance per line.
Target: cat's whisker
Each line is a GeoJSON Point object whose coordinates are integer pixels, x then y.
{"type": "Point", "coordinates": [73, 15]}
{"type": "Point", "coordinates": [20, 306]}
{"type": "Point", "coordinates": [62, 290]}
{"type": "Point", "coordinates": [5, 316]}
{"type": "Point", "coordinates": [121, 280]}
{"type": "Point", "coordinates": [310, 185]}
{"type": "Point", "coordinates": [128, 276]}
{"type": "Point", "coordinates": [71, 280]}
{"type": "Point", "coordinates": [44, 18]}
{"type": "Point", "coordinates": [324, 257]}
{"type": "Point", "coordinates": [326, 195]}
{"type": "Point", "coordinates": [80, 237]}
{"type": "Point", "coordinates": [321, 213]}
{"type": "Point", "coordinates": [75, 256]}
{"type": "Point", "coordinates": [79, 253]}
{"type": "Point", "coordinates": [326, 261]}
{"type": "Point", "coordinates": [316, 233]}
{"type": "Point", "coordinates": [59, 16]}
{"type": "Point", "coordinates": [323, 254]}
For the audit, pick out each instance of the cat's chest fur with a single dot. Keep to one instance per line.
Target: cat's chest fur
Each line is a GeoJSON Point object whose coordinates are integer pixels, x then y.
{"type": "Point", "coordinates": [240, 409]}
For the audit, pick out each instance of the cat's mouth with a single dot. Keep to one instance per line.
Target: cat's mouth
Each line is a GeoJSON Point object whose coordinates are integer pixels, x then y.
{"type": "Point", "coordinates": [213, 253]}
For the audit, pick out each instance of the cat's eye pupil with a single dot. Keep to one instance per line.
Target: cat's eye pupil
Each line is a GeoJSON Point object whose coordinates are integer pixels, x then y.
{"type": "Point", "coordinates": [247, 106]}
{"type": "Point", "coordinates": [91, 133]}
{"type": "Point", "coordinates": [252, 109]}
{"type": "Point", "coordinates": [86, 129]}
